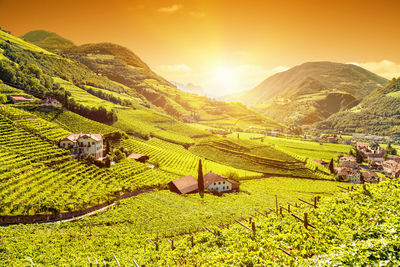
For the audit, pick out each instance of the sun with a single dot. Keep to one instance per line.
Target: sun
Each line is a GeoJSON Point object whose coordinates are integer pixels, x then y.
{"type": "Point", "coordinates": [224, 76]}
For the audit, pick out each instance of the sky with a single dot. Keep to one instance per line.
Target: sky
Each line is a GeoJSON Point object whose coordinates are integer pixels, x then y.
{"type": "Point", "coordinates": [225, 46]}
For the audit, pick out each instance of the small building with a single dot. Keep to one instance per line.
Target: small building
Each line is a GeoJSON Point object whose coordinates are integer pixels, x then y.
{"type": "Point", "coordinates": [19, 99]}
{"type": "Point", "coordinates": [184, 185]}
{"type": "Point", "coordinates": [394, 158]}
{"type": "Point", "coordinates": [50, 102]}
{"type": "Point", "coordinates": [376, 166]}
{"type": "Point", "coordinates": [139, 157]}
{"type": "Point", "coordinates": [348, 162]}
{"type": "Point", "coordinates": [216, 183]}
{"type": "Point", "coordinates": [348, 175]}
{"type": "Point", "coordinates": [390, 166]}
{"type": "Point", "coordinates": [370, 177]}
{"type": "Point", "coordinates": [331, 139]}
{"type": "Point", "coordinates": [346, 141]}
{"type": "Point", "coordinates": [82, 145]}
{"type": "Point", "coordinates": [323, 163]}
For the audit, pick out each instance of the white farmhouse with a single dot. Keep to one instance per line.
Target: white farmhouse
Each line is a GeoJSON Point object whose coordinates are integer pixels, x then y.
{"type": "Point", "coordinates": [82, 145]}
{"type": "Point", "coordinates": [216, 183]}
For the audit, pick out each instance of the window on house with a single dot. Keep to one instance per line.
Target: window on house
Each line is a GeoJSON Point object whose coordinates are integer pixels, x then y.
{"type": "Point", "coordinates": [219, 182]}
{"type": "Point", "coordinates": [92, 143]}
{"type": "Point", "coordinates": [223, 182]}
{"type": "Point", "coordinates": [223, 187]}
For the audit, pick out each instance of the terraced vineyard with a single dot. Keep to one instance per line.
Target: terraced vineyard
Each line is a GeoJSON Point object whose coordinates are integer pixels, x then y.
{"type": "Point", "coordinates": [355, 227]}
{"type": "Point", "coordinates": [176, 159]}
{"type": "Point", "coordinates": [38, 177]}
{"type": "Point", "coordinates": [254, 156]}
{"type": "Point", "coordinates": [140, 175]}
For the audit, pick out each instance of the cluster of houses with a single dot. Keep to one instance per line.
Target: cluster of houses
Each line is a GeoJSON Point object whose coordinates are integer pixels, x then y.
{"type": "Point", "coordinates": [46, 102]}
{"type": "Point", "coordinates": [84, 144]}
{"type": "Point", "coordinates": [212, 182]}
{"type": "Point", "coordinates": [349, 171]}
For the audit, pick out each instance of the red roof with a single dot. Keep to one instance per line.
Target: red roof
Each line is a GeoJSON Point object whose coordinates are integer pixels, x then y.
{"type": "Point", "coordinates": [137, 156]}
{"type": "Point", "coordinates": [211, 178]}
{"type": "Point", "coordinates": [185, 184]}
{"type": "Point", "coordinates": [21, 98]}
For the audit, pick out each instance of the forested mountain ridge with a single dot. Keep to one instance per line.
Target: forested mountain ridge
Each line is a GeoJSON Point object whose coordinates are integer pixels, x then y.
{"type": "Point", "coordinates": [378, 113]}
{"type": "Point", "coordinates": [310, 92]}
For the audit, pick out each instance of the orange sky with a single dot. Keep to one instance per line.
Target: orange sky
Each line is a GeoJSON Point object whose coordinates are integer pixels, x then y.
{"type": "Point", "coordinates": [223, 45]}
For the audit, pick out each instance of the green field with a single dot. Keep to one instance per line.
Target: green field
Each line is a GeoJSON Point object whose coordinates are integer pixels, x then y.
{"type": "Point", "coordinates": [310, 149]}
{"type": "Point", "coordinates": [124, 230]}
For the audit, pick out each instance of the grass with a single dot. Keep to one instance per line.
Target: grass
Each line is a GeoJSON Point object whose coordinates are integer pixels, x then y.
{"type": "Point", "coordinates": [124, 231]}
{"type": "Point", "coordinates": [310, 149]}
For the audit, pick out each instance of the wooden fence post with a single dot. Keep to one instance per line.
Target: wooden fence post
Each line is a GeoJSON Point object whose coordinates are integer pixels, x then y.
{"type": "Point", "coordinates": [192, 239]}
{"type": "Point", "coordinates": [276, 204]}
{"type": "Point", "coordinates": [315, 202]}
{"type": "Point", "coordinates": [306, 220]}
{"type": "Point", "coordinates": [253, 226]}
{"type": "Point", "coordinates": [288, 208]}
{"type": "Point", "coordinates": [280, 210]}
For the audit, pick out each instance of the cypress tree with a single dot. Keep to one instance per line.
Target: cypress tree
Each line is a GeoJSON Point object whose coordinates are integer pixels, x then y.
{"type": "Point", "coordinates": [331, 166]}
{"type": "Point", "coordinates": [200, 179]}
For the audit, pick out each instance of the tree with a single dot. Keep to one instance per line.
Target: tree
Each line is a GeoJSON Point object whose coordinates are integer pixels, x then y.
{"type": "Point", "coordinates": [200, 179]}
{"type": "Point", "coordinates": [107, 150]}
{"type": "Point", "coordinates": [391, 150]}
{"type": "Point", "coordinates": [359, 157]}
{"type": "Point", "coordinates": [331, 166]}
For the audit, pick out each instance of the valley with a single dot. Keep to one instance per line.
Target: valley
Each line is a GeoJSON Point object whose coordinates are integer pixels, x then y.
{"type": "Point", "coordinates": [92, 140]}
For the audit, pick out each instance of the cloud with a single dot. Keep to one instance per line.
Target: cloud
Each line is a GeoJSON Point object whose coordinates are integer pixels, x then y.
{"type": "Point", "coordinates": [384, 68]}
{"type": "Point", "coordinates": [177, 69]}
{"type": "Point", "coordinates": [170, 9]}
{"type": "Point", "coordinates": [197, 15]}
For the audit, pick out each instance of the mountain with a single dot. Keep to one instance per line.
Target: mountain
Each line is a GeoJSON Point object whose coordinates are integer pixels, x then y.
{"type": "Point", "coordinates": [189, 88]}
{"type": "Point", "coordinates": [311, 92]}
{"type": "Point", "coordinates": [378, 113]}
{"type": "Point", "coordinates": [47, 40]}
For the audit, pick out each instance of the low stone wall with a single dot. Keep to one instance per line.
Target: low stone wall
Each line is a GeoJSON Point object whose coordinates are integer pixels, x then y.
{"type": "Point", "coordinates": [41, 218]}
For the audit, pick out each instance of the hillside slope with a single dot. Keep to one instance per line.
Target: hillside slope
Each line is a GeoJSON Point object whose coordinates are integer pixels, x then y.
{"type": "Point", "coordinates": [378, 113]}
{"type": "Point", "coordinates": [47, 40]}
{"type": "Point", "coordinates": [311, 92]}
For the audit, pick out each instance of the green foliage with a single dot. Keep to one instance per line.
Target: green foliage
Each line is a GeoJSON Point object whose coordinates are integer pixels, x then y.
{"type": "Point", "coordinates": [391, 150]}
{"type": "Point", "coordinates": [200, 178]}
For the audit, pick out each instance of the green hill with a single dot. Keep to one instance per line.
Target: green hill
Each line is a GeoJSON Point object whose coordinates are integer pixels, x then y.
{"type": "Point", "coordinates": [378, 113]}
{"type": "Point", "coordinates": [47, 40]}
{"type": "Point", "coordinates": [311, 92]}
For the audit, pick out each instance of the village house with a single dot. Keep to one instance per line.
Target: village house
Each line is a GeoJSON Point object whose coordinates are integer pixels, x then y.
{"type": "Point", "coordinates": [331, 139]}
{"type": "Point", "coordinates": [139, 157]}
{"type": "Point", "coordinates": [348, 162]}
{"type": "Point", "coordinates": [371, 152]}
{"type": "Point", "coordinates": [82, 145]}
{"type": "Point", "coordinates": [217, 183]}
{"type": "Point", "coordinates": [19, 99]}
{"type": "Point", "coordinates": [184, 185]}
{"type": "Point", "coordinates": [347, 141]}
{"type": "Point", "coordinates": [50, 102]}
{"type": "Point", "coordinates": [376, 166]}
{"type": "Point", "coordinates": [212, 182]}
{"type": "Point", "coordinates": [391, 167]}
{"type": "Point", "coordinates": [348, 175]}
{"type": "Point", "coordinates": [370, 177]}
{"type": "Point", "coordinates": [323, 163]}
{"type": "Point", "coordinates": [394, 158]}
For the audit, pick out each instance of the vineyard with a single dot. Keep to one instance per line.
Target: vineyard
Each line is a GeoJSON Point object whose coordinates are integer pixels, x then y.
{"type": "Point", "coordinates": [176, 159]}
{"type": "Point", "coordinates": [251, 156]}
{"type": "Point", "coordinates": [38, 177]}
{"type": "Point", "coordinates": [158, 229]}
